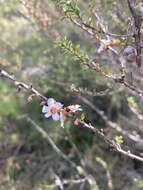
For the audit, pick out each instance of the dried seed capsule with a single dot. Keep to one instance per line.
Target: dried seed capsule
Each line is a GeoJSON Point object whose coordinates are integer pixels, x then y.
{"type": "Point", "coordinates": [130, 53]}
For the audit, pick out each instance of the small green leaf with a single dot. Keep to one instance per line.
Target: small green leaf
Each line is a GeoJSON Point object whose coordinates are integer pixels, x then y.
{"type": "Point", "coordinates": [82, 116]}
{"type": "Point", "coordinates": [119, 139]}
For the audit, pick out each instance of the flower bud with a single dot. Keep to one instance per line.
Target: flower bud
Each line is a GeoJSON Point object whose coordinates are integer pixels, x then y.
{"type": "Point", "coordinates": [130, 53]}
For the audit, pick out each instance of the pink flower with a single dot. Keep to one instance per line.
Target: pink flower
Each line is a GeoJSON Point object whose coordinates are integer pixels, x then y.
{"type": "Point", "coordinates": [52, 109]}
{"type": "Point", "coordinates": [57, 112]}
{"type": "Point", "coordinates": [74, 108]}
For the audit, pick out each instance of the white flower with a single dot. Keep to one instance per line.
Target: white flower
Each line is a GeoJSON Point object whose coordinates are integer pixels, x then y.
{"type": "Point", "coordinates": [75, 108]}
{"type": "Point", "coordinates": [52, 109]}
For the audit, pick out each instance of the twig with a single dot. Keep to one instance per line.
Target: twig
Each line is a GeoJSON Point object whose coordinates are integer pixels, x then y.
{"type": "Point", "coordinates": [137, 30]}
{"type": "Point", "coordinates": [117, 79]}
{"type": "Point", "coordinates": [21, 85]}
{"type": "Point", "coordinates": [93, 31]}
{"type": "Point", "coordinates": [133, 88]}
{"type": "Point", "coordinates": [90, 30]}
{"type": "Point", "coordinates": [111, 143]}
{"type": "Point", "coordinates": [108, 174]}
{"type": "Point", "coordinates": [96, 66]}
{"type": "Point", "coordinates": [50, 141]}
{"type": "Point", "coordinates": [93, 93]}
{"type": "Point", "coordinates": [75, 181]}
{"type": "Point", "coordinates": [109, 123]}
{"type": "Point", "coordinates": [109, 33]}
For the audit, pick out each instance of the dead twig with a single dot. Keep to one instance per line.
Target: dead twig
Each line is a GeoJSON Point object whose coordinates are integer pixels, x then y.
{"type": "Point", "coordinates": [21, 85]}
{"type": "Point", "coordinates": [137, 30]}
{"type": "Point", "coordinates": [111, 143]}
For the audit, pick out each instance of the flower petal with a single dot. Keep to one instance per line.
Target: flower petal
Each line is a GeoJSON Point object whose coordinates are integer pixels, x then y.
{"type": "Point", "coordinates": [58, 105]}
{"type": "Point", "coordinates": [62, 119]}
{"type": "Point", "coordinates": [75, 108]}
{"type": "Point", "coordinates": [48, 114]}
{"type": "Point", "coordinates": [55, 116]}
{"type": "Point", "coordinates": [45, 109]}
{"type": "Point", "coordinates": [78, 107]}
{"type": "Point", "coordinates": [50, 101]}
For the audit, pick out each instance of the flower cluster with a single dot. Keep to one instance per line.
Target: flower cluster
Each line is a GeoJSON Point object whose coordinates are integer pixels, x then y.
{"type": "Point", "coordinates": [56, 110]}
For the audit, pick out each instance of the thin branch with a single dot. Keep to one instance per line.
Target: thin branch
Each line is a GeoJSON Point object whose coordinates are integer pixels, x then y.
{"type": "Point", "coordinates": [21, 85]}
{"type": "Point", "coordinates": [92, 64]}
{"type": "Point", "coordinates": [111, 143]}
{"type": "Point", "coordinates": [137, 30]}
{"type": "Point", "coordinates": [95, 66]}
{"type": "Point", "coordinates": [109, 33]}
{"type": "Point", "coordinates": [92, 93]}
{"type": "Point", "coordinates": [90, 30]}
{"type": "Point", "coordinates": [93, 31]}
{"type": "Point", "coordinates": [133, 88]}
{"type": "Point", "coordinates": [50, 141]}
{"type": "Point", "coordinates": [75, 181]}
{"type": "Point", "coordinates": [109, 123]}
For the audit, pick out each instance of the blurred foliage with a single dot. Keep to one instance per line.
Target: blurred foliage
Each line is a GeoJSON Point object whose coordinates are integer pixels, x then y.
{"type": "Point", "coordinates": [31, 52]}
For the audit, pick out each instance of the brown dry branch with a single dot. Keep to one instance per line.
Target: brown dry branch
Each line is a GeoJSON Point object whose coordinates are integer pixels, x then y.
{"type": "Point", "coordinates": [109, 123]}
{"type": "Point", "coordinates": [104, 45]}
{"type": "Point", "coordinates": [50, 141]}
{"type": "Point", "coordinates": [58, 151]}
{"type": "Point", "coordinates": [93, 93]}
{"type": "Point", "coordinates": [90, 63]}
{"type": "Point", "coordinates": [21, 85]}
{"type": "Point", "coordinates": [93, 31]}
{"type": "Point", "coordinates": [111, 143]}
{"type": "Point", "coordinates": [95, 66]}
{"type": "Point", "coordinates": [132, 88]}
{"type": "Point", "coordinates": [137, 30]}
{"type": "Point", "coordinates": [104, 31]}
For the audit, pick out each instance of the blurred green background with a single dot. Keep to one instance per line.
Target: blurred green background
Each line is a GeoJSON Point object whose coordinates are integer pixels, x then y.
{"type": "Point", "coordinates": [35, 153]}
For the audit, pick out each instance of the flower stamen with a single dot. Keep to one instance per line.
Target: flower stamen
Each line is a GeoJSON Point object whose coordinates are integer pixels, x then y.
{"type": "Point", "coordinates": [53, 109]}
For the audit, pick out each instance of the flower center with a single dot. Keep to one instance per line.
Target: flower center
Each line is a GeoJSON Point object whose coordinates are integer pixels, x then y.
{"type": "Point", "coordinates": [54, 109]}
